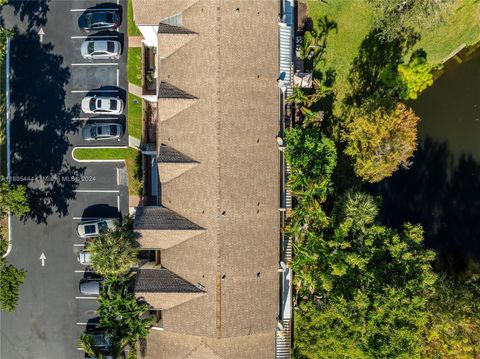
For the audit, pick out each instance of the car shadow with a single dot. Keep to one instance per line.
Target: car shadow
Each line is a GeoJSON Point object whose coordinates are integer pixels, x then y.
{"type": "Point", "coordinates": [101, 211]}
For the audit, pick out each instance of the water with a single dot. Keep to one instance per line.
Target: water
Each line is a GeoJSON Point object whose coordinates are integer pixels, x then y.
{"type": "Point", "coordinates": [441, 190]}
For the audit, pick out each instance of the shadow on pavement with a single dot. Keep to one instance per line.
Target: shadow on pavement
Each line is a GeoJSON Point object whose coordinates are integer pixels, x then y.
{"type": "Point", "coordinates": [101, 211]}
{"type": "Point", "coordinates": [35, 11]}
{"type": "Point", "coordinates": [40, 124]}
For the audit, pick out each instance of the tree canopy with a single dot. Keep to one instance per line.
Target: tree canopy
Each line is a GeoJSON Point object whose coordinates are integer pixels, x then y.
{"type": "Point", "coordinates": [115, 252]}
{"type": "Point", "coordinates": [10, 280]}
{"type": "Point", "coordinates": [380, 141]}
{"type": "Point", "coordinates": [13, 198]}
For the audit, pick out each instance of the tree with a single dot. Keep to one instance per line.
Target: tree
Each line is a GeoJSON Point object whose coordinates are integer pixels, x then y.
{"type": "Point", "coordinates": [381, 141]}
{"type": "Point", "coordinates": [371, 286]}
{"type": "Point", "coordinates": [394, 17]}
{"type": "Point", "coordinates": [10, 280]}
{"type": "Point", "coordinates": [13, 198]}
{"type": "Point", "coordinates": [120, 312]}
{"type": "Point", "coordinates": [453, 330]}
{"type": "Point", "coordinates": [114, 252]}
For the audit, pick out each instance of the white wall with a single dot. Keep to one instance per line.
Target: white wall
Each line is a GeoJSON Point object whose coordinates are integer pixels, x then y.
{"type": "Point", "coordinates": [149, 33]}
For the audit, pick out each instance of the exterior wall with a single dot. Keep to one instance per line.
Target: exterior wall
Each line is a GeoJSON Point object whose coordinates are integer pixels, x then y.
{"type": "Point", "coordinates": [149, 33]}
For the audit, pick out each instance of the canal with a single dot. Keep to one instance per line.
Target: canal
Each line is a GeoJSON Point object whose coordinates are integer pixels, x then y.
{"type": "Point", "coordinates": [441, 189]}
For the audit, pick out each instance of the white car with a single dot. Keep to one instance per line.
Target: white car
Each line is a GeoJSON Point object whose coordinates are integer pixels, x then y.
{"type": "Point", "coordinates": [84, 257]}
{"type": "Point", "coordinates": [94, 228]}
{"type": "Point", "coordinates": [100, 49]}
{"type": "Point", "coordinates": [101, 104]}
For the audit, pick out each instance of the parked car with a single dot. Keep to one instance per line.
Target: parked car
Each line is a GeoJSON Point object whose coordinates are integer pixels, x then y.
{"type": "Point", "coordinates": [100, 340]}
{"type": "Point", "coordinates": [94, 228]}
{"type": "Point", "coordinates": [90, 286]}
{"type": "Point", "coordinates": [93, 20]}
{"type": "Point", "coordinates": [102, 131]}
{"type": "Point", "coordinates": [101, 49]}
{"type": "Point", "coordinates": [84, 257]}
{"type": "Point", "coordinates": [102, 104]}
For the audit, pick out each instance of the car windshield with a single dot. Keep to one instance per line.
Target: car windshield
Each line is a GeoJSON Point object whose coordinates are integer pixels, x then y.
{"type": "Point", "coordinates": [102, 227]}
{"type": "Point", "coordinates": [93, 132]}
{"type": "Point", "coordinates": [91, 47]}
{"type": "Point", "coordinates": [92, 104]}
{"type": "Point", "coordinates": [113, 130]}
{"type": "Point", "coordinates": [88, 19]}
{"type": "Point", "coordinates": [89, 228]}
{"type": "Point", "coordinates": [110, 46]}
{"type": "Point", "coordinates": [109, 17]}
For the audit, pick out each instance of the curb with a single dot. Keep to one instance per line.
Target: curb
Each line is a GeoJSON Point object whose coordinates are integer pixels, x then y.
{"type": "Point", "coordinates": [7, 135]}
{"type": "Point", "coordinates": [87, 147]}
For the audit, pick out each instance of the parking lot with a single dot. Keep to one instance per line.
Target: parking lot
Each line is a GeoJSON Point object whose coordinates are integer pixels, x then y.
{"type": "Point", "coordinates": [50, 78]}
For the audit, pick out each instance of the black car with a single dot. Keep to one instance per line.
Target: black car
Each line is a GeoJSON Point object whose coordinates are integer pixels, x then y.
{"type": "Point", "coordinates": [93, 20]}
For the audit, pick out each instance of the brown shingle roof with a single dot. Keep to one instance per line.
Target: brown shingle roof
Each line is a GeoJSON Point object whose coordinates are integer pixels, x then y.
{"type": "Point", "coordinates": [158, 217]}
{"type": "Point", "coordinates": [161, 280]}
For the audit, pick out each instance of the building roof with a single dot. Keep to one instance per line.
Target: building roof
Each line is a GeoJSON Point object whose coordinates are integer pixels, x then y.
{"type": "Point", "coordinates": [161, 280]}
{"type": "Point", "coordinates": [161, 218]}
{"type": "Point", "coordinates": [151, 12]}
{"type": "Point", "coordinates": [229, 129]}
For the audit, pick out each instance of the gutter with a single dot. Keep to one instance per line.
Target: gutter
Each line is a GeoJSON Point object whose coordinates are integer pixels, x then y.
{"type": "Point", "coordinates": [7, 110]}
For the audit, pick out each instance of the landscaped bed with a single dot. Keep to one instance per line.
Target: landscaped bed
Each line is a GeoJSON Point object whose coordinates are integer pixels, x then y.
{"type": "Point", "coordinates": [134, 116]}
{"type": "Point", "coordinates": [459, 25]}
{"type": "Point", "coordinates": [135, 65]}
{"type": "Point", "coordinates": [131, 156]}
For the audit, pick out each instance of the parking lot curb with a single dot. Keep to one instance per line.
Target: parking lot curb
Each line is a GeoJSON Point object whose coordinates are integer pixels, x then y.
{"type": "Point", "coordinates": [87, 147]}
{"type": "Point", "coordinates": [7, 135]}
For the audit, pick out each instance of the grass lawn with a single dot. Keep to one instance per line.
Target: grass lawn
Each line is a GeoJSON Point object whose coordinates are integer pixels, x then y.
{"type": "Point", "coordinates": [134, 116]}
{"type": "Point", "coordinates": [132, 28]}
{"type": "Point", "coordinates": [354, 18]}
{"type": "Point", "coordinates": [133, 161]}
{"type": "Point", "coordinates": [135, 65]}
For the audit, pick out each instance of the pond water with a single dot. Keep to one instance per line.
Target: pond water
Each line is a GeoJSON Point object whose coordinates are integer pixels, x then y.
{"type": "Point", "coordinates": [441, 190]}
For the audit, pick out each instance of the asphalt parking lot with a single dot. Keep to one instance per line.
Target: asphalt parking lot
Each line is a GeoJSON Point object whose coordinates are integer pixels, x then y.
{"type": "Point", "coordinates": [49, 78]}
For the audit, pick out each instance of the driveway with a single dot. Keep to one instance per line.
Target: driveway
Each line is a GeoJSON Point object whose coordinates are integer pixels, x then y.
{"type": "Point", "coordinates": [48, 80]}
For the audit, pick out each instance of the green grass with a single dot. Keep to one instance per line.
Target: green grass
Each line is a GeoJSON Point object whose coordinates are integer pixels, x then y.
{"type": "Point", "coordinates": [354, 19]}
{"type": "Point", "coordinates": [135, 65]}
{"type": "Point", "coordinates": [133, 161]}
{"type": "Point", "coordinates": [134, 116]}
{"type": "Point", "coordinates": [132, 28]}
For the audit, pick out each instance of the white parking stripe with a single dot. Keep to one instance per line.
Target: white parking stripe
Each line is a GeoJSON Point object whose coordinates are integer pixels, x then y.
{"type": "Point", "coordinates": [118, 77]}
{"type": "Point", "coordinates": [96, 64]}
{"type": "Point", "coordinates": [118, 203]}
{"type": "Point", "coordinates": [86, 297]}
{"type": "Point", "coordinates": [96, 190]}
{"type": "Point", "coordinates": [81, 323]}
{"type": "Point", "coordinates": [79, 244]}
{"type": "Point", "coordinates": [94, 37]}
{"type": "Point", "coordinates": [93, 118]}
{"type": "Point", "coordinates": [96, 91]}
{"type": "Point", "coordinates": [75, 10]}
{"type": "Point", "coordinates": [118, 176]}
{"type": "Point", "coordinates": [93, 218]}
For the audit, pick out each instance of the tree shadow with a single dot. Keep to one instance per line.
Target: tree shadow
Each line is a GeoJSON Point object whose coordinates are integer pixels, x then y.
{"type": "Point", "coordinates": [377, 59]}
{"type": "Point", "coordinates": [442, 193]}
{"type": "Point", "coordinates": [39, 127]}
{"type": "Point", "coordinates": [35, 11]}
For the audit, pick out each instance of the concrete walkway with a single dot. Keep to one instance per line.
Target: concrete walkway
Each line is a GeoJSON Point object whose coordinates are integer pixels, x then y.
{"type": "Point", "coordinates": [134, 142]}
{"type": "Point", "coordinates": [134, 89]}
{"type": "Point", "coordinates": [135, 41]}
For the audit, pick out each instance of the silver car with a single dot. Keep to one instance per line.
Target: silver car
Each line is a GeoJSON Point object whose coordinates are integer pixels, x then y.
{"type": "Point", "coordinates": [84, 258]}
{"type": "Point", "coordinates": [100, 49]}
{"type": "Point", "coordinates": [102, 104]}
{"type": "Point", "coordinates": [102, 131]}
{"type": "Point", "coordinates": [90, 286]}
{"type": "Point", "coordinates": [94, 228]}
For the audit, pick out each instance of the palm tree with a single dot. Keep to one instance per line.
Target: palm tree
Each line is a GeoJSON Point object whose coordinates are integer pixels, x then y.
{"type": "Point", "coordinates": [85, 343]}
{"type": "Point", "coordinates": [115, 252]}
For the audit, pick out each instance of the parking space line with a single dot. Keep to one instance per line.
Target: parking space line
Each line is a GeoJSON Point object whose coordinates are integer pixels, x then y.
{"type": "Point", "coordinates": [96, 91]}
{"type": "Point", "coordinates": [86, 297]}
{"type": "Point", "coordinates": [118, 77]}
{"type": "Point", "coordinates": [79, 244]}
{"type": "Point", "coordinates": [75, 10]}
{"type": "Point", "coordinates": [96, 191]}
{"type": "Point", "coordinates": [118, 203]}
{"type": "Point", "coordinates": [94, 118]}
{"type": "Point", "coordinates": [93, 218]}
{"type": "Point", "coordinates": [82, 323]}
{"type": "Point", "coordinates": [96, 64]}
{"type": "Point", "coordinates": [94, 37]}
{"type": "Point", "coordinates": [118, 176]}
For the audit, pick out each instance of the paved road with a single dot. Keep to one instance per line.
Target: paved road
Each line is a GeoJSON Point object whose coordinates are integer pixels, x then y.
{"type": "Point", "coordinates": [48, 82]}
